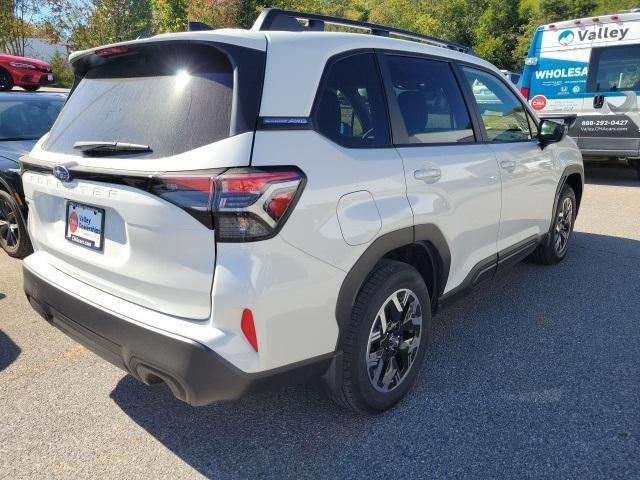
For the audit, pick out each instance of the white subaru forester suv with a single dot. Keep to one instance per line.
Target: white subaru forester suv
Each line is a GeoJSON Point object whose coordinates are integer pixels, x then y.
{"type": "Point", "coordinates": [229, 210]}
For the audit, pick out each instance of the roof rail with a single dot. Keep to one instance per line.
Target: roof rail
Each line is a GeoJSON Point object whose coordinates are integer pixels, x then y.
{"type": "Point", "coordinates": [274, 19]}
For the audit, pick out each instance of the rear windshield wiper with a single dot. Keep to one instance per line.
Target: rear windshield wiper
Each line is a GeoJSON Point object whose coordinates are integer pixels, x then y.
{"type": "Point", "coordinates": [102, 148]}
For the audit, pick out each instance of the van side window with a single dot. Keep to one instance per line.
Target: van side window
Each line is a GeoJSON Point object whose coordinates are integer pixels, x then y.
{"type": "Point", "coordinates": [503, 114]}
{"type": "Point", "coordinates": [614, 68]}
{"type": "Point", "coordinates": [350, 109]}
{"type": "Point", "coordinates": [430, 101]}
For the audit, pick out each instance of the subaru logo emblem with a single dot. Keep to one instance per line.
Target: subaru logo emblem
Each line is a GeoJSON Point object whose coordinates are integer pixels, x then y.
{"type": "Point", "coordinates": [62, 173]}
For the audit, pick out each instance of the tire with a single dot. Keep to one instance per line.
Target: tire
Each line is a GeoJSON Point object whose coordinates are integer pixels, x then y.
{"type": "Point", "coordinates": [14, 238]}
{"type": "Point", "coordinates": [32, 88]}
{"type": "Point", "coordinates": [400, 347]}
{"type": "Point", "coordinates": [6, 82]}
{"type": "Point", "coordinates": [636, 166]}
{"type": "Point", "coordinates": [555, 247]}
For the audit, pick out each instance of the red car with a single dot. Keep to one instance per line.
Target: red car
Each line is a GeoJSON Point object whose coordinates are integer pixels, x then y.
{"type": "Point", "coordinates": [27, 73]}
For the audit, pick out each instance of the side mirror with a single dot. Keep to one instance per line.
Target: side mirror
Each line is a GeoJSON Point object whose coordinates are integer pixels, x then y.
{"type": "Point", "coordinates": [551, 132]}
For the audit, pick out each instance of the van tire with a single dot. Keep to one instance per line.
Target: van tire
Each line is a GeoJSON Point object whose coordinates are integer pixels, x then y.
{"type": "Point", "coordinates": [547, 252]}
{"type": "Point", "coordinates": [356, 391]}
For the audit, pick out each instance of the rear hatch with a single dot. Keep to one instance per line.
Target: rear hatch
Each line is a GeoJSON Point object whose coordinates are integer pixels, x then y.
{"type": "Point", "coordinates": [119, 191]}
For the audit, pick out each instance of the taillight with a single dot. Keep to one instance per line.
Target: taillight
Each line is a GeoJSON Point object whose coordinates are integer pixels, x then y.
{"type": "Point", "coordinates": [194, 194]}
{"type": "Point", "coordinates": [252, 204]}
{"type": "Point", "coordinates": [244, 204]}
{"type": "Point", "coordinates": [525, 92]}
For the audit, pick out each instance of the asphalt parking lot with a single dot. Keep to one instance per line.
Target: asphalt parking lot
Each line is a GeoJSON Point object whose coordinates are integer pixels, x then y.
{"type": "Point", "coordinates": [535, 376]}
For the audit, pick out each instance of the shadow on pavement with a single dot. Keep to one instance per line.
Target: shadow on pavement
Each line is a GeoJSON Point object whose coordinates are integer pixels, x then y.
{"type": "Point", "coordinates": [9, 351]}
{"type": "Point", "coordinates": [534, 376]}
{"type": "Point", "coordinates": [614, 174]}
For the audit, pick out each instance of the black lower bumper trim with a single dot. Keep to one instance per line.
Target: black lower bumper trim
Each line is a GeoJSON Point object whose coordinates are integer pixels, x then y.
{"type": "Point", "coordinates": [193, 372]}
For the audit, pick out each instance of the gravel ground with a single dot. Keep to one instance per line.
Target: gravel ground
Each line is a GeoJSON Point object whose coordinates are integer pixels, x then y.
{"type": "Point", "coordinates": [535, 376]}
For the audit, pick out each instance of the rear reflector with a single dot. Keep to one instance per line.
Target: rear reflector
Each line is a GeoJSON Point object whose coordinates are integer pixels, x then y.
{"type": "Point", "coordinates": [249, 328]}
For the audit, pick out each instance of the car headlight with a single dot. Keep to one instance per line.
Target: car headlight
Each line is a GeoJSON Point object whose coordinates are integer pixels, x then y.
{"type": "Point", "coordinates": [22, 65]}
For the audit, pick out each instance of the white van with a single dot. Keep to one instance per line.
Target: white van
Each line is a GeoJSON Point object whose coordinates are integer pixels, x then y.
{"type": "Point", "coordinates": [588, 71]}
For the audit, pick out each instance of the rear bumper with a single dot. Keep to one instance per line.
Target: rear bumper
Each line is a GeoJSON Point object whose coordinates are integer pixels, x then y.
{"type": "Point", "coordinates": [194, 373]}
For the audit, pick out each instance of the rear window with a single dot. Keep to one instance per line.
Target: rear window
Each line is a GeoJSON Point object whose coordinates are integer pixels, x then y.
{"type": "Point", "coordinates": [173, 98]}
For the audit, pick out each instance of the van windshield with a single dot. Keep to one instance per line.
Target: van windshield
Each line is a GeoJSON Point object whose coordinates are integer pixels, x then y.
{"type": "Point", "coordinates": [173, 98]}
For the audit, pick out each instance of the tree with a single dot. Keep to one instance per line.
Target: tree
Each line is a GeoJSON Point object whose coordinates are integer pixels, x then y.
{"type": "Point", "coordinates": [89, 23]}
{"type": "Point", "coordinates": [62, 71]}
{"type": "Point", "coordinates": [168, 15]}
{"type": "Point", "coordinates": [16, 24]}
{"type": "Point", "coordinates": [495, 35]}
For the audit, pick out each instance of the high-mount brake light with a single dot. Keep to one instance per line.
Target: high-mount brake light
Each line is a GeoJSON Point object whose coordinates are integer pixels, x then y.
{"type": "Point", "coordinates": [112, 51]}
{"type": "Point", "coordinates": [244, 204]}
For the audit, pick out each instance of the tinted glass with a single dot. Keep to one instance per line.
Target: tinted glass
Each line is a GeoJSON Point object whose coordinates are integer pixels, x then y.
{"type": "Point", "coordinates": [172, 98]}
{"type": "Point", "coordinates": [503, 115]}
{"type": "Point", "coordinates": [351, 109]}
{"type": "Point", "coordinates": [27, 119]}
{"type": "Point", "coordinates": [616, 68]}
{"type": "Point", "coordinates": [430, 101]}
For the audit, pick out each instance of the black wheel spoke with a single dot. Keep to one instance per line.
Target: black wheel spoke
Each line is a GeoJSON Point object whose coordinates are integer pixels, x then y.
{"type": "Point", "coordinates": [393, 340]}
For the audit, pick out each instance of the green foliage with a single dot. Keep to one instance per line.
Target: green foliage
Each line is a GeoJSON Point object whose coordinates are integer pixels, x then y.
{"type": "Point", "coordinates": [168, 15]}
{"type": "Point", "coordinates": [62, 71]}
{"type": "Point", "coordinates": [498, 30]}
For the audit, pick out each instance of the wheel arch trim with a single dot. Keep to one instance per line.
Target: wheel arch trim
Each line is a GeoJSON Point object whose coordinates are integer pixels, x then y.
{"type": "Point", "coordinates": [568, 171]}
{"type": "Point", "coordinates": [6, 186]}
{"type": "Point", "coordinates": [428, 236]}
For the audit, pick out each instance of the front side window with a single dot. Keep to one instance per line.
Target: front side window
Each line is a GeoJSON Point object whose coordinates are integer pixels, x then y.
{"type": "Point", "coordinates": [503, 115]}
{"type": "Point", "coordinates": [350, 109]}
{"type": "Point", "coordinates": [615, 68]}
{"type": "Point", "coordinates": [430, 101]}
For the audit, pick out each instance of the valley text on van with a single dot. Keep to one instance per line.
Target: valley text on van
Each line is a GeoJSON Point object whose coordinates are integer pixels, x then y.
{"type": "Point", "coordinates": [588, 72]}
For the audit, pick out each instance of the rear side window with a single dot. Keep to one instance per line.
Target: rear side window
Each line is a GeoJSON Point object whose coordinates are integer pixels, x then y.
{"type": "Point", "coordinates": [173, 98]}
{"type": "Point", "coordinates": [615, 68]}
{"type": "Point", "coordinates": [350, 109]}
{"type": "Point", "coordinates": [503, 114]}
{"type": "Point", "coordinates": [430, 101]}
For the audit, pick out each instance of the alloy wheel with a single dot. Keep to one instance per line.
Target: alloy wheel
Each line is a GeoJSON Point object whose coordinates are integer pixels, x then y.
{"type": "Point", "coordinates": [563, 226]}
{"type": "Point", "coordinates": [394, 340]}
{"type": "Point", "coordinates": [9, 231]}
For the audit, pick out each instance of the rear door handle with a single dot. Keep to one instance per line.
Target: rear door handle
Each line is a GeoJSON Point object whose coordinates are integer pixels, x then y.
{"type": "Point", "coordinates": [428, 175]}
{"type": "Point", "coordinates": [598, 101]}
{"type": "Point", "coordinates": [508, 165]}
